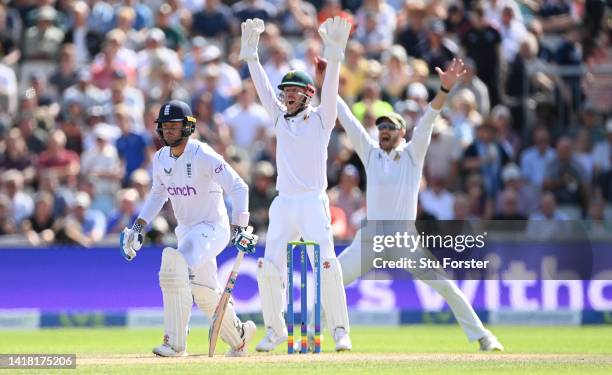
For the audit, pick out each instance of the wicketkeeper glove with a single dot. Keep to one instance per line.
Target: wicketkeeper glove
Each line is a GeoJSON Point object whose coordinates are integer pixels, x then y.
{"type": "Point", "coordinates": [334, 32]}
{"type": "Point", "coordinates": [251, 29]}
{"type": "Point", "coordinates": [130, 241]}
{"type": "Point", "coordinates": [244, 239]}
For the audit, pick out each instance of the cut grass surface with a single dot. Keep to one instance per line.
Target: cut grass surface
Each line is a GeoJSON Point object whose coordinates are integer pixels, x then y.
{"type": "Point", "coordinates": [407, 349]}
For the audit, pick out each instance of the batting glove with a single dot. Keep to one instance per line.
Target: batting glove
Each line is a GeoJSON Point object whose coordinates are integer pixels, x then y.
{"type": "Point", "coordinates": [130, 241]}
{"type": "Point", "coordinates": [251, 29]}
{"type": "Point", "coordinates": [334, 32]}
{"type": "Point", "coordinates": [244, 239]}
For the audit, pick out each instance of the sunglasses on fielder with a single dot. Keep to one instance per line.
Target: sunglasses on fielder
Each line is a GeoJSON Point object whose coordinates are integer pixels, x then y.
{"type": "Point", "coordinates": [387, 126]}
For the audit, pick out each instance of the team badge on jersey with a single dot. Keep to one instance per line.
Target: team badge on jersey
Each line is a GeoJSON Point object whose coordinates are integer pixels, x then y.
{"type": "Point", "coordinates": [189, 170]}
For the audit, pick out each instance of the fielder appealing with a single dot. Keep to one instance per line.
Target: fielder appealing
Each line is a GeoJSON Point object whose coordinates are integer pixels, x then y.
{"type": "Point", "coordinates": [193, 177]}
{"type": "Point", "coordinates": [393, 171]}
{"type": "Point", "coordinates": [302, 208]}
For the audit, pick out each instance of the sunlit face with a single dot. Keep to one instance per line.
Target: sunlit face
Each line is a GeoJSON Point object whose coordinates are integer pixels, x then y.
{"type": "Point", "coordinates": [172, 131]}
{"type": "Point", "coordinates": [294, 98]}
{"type": "Point", "coordinates": [389, 135]}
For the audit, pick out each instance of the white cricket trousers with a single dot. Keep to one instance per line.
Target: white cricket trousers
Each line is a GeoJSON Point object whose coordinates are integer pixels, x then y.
{"type": "Point", "coordinates": [353, 261]}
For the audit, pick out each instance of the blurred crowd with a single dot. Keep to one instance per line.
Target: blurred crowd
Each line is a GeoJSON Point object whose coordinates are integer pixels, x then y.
{"type": "Point", "coordinates": [527, 133]}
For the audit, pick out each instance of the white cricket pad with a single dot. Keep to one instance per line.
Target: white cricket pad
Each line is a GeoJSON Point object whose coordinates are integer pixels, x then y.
{"type": "Point", "coordinates": [207, 300]}
{"type": "Point", "coordinates": [333, 295]}
{"type": "Point", "coordinates": [271, 293]}
{"type": "Point", "coordinates": [174, 283]}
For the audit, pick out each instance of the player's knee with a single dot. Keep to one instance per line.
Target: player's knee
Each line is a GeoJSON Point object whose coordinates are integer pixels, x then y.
{"type": "Point", "coordinates": [174, 271]}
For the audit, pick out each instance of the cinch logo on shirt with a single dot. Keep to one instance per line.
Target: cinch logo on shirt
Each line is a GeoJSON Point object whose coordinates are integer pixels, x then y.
{"type": "Point", "coordinates": [184, 191]}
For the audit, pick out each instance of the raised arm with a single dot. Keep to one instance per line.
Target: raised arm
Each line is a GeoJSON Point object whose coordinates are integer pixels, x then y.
{"type": "Point", "coordinates": [422, 132]}
{"type": "Point", "coordinates": [251, 29]}
{"type": "Point", "coordinates": [361, 140]}
{"type": "Point", "coordinates": [335, 33]}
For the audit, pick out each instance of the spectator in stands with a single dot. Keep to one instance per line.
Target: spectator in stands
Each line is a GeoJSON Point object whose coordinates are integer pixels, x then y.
{"type": "Point", "coordinates": [297, 18]}
{"type": "Point", "coordinates": [457, 21]}
{"type": "Point", "coordinates": [261, 194]}
{"type": "Point", "coordinates": [602, 154]}
{"type": "Point", "coordinates": [84, 91]}
{"type": "Point", "coordinates": [229, 78]}
{"type": "Point", "coordinates": [371, 101]}
{"type": "Point", "coordinates": [512, 32]}
{"type": "Point", "coordinates": [509, 206]}
{"type": "Point", "coordinates": [547, 223]}
{"type": "Point", "coordinates": [42, 41]}
{"type": "Point", "coordinates": [114, 56]}
{"type": "Point", "coordinates": [443, 154]}
{"type": "Point", "coordinates": [471, 82]}
{"type": "Point", "coordinates": [21, 204]}
{"type": "Point", "coordinates": [437, 200]}
{"type": "Point", "coordinates": [565, 177]}
{"type": "Point", "coordinates": [66, 73]}
{"type": "Point", "coordinates": [535, 158]}
{"type": "Point", "coordinates": [482, 44]}
{"type": "Point", "coordinates": [584, 153]}
{"type": "Point", "coordinates": [526, 194]}
{"type": "Point", "coordinates": [247, 119]}
{"type": "Point", "coordinates": [346, 195]}
{"type": "Point", "coordinates": [212, 76]}
{"type": "Point", "coordinates": [17, 156]}
{"type": "Point", "coordinates": [464, 118]}
{"type": "Point", "coordinates": [83, 226]}
{"type": "Point", "coordinates": [7, 223]}
{"type": "Point", "coordinates": [154, 59]}
{"type": "Point", "coordinates": [40, 227]}
{"type": "Point", "coordinates": [481, 204]}
{"type": "Point", "coordinates": [102, 166]}
{"type": "Point", "coordinates": [215, 20]}
{"type": "Point", "coordinates": [487, 157]}
{"type": "Point", "coordinates": [596, 223]}
{"type": "Point", "coordinates": [507, 137]}
{"type": "Point", "coordinates": [411, 36]}
{"type": "Point", "coordinates": [262, 9]}
{"type": "Point", "coordinates": [134, 148]}
{"type": "Point", "coordinates": [437, 50]}
{"type": "Point", "coordinates": [174, 36]}
{"type": "Point", "coordinates": [354, 69]}
{"type": "Point", "coordinates": [396, 72]}
{"type": "Point", "coordinates": [8, 90]}
{"type": "Point", "coordinates": [126, 212]}
{"type": "Point", "coordinates": [64, 163]}
{"type": "Point", "coordinates": [461, 207]}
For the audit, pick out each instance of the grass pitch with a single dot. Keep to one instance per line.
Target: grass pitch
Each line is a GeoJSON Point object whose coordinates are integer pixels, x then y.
{"type": "Point", "coordinates": [406, 350]}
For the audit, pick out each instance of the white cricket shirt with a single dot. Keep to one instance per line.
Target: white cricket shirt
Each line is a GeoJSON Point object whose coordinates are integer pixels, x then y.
{"type": "Point", "coordinates": [195, 182]}
{"type": "Point", "coordinates": [392, 179]}
{"type": "Point", "coordinates": [301, 140]}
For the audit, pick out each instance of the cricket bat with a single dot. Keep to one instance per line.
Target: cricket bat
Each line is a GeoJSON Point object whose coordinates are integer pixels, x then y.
{"type": "Point", "coordinates": [215, 327]}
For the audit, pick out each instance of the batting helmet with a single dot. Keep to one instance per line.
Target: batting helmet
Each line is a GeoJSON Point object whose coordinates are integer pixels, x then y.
{"type": "Point", "coordinates": [176, 111]}
{"type": "Point", "coordinates": [300, 79]}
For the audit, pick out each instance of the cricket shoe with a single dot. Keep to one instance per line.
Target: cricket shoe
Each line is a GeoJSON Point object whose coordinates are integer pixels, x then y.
{"type": "Point", "coordinates": [248, 332]}
{"type": "Point", "coordinates": [165, 350]}
{"type": "Point", "coordinates": [342, 339]}
{"type": "Point", "coordinates": [490, 343]}
{"type": "Point", "coordinates": [271, 341]}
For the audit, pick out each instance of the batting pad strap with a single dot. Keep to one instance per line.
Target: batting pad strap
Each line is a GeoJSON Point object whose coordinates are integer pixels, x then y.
{"type": "Point", "coordinates": [333, 295]}
{"type": "Point", "coordinates": [207, 300]}
{"type": "Point", "coordinates": [174, 283]}
{"type": "Point", "coordinates": [271, 293]}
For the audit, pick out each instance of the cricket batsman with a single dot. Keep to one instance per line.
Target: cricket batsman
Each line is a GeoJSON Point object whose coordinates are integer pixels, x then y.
{"type": "Point", "coordinates": [194, 178]}
{"type": "Point", "coordinates": [394, 169]}
{"type": "Point", "coordinates": [302, 207]}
